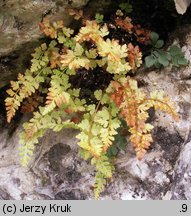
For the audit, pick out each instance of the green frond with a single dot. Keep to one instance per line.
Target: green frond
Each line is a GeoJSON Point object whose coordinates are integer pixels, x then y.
{"type": "Point", "coordinates": [99, 184]}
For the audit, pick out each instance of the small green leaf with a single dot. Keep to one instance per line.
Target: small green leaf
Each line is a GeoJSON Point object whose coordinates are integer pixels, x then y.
{"type": "Point", "coordinates": [91, 54]}
{"type": "Point", "coordinates": [44, 47]}
{"type": "Point", "coordinates": [174, 50]}
{"type": "Point", "coordinates": [183, 61]}
{"type": "Point", "coordinates": [98, 94]}
{"type": "Point", "coordinates": [78, 50]}
{"type": "Point", "coordinates": [163, 60]}
{"type": "Point", "coordinates": [99, 18]}
{"type": "Point", "coordinates": [156, 53]}
{"type": "Point", "coordinates": [122, 142]}
{"type": "Point", "coordinates": [150, 61]}
{"type": "Point", "coordinates": [154, 37]}
{"type": "Point", "coordinates": [168, 55]}
{"type": "Point", "coordinates": [126, 7]}
{"type": "Point", "coordinates": [61, 38]}
{"type": "Point", "coordinates": [70, 71]}
{"type": "Point", "coordinates": [114, 150]}
{"type": "Point", "coordinates": [157, 64]}
{"type": "Point", "coordinates": [159, 44]}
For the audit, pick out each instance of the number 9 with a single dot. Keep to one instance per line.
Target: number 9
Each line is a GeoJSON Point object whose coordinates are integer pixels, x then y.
{"type": "Point", "coordinates": [184, 208]}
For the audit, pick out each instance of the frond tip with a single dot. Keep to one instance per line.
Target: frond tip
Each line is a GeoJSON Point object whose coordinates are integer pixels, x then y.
{"type": "Point", "coordinates": [104, 171]}
{"type": "Point", "coordinates": [134, 104]}
{"type": "Point", "coordinates": [21, 89]}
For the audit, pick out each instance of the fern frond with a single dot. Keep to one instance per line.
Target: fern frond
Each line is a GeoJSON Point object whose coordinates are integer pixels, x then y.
{"type": "Point", "coordinates": [134, 56]}
{"type": "Point", "coordinates": [134, 105]}
{"type": "Point", "coordinates": [21, 89]}
{"type": "Point", "coordinates": [49, 29]}
{"type": "Point", "coordinates": [99, 184]}
{"type": "Point", "coordinates": [163, 103]}
{"type": "Point", "coordinates": [103, 165]}
{"type": "Point", "coordinates": [75, 59]}
{"type": "Point", "coordinates": [58, 99]}
{"type": "Point", "coordinates": [57, 94]}
{"type": "Point", "coordinates": [115, 55]}
{"type": "Point", "coordinates": [12, 105]}
{"type": "Point", "coordinates": [37, 126]}
{"type": "Point", "coordinates": [27, 146]}
{"type": "Point", "coordinates": [92, 31]}
{"type": "Point", "coordinates": [110, 123]}
{"type": "Point", "coordinates": [104, 171]}
{"type": "Point", "coordinates": [125, 24]}
{"type": "Point", "coordinates": [112, 50]}
{"type": "Point", "coordinates": [40, 58]}
{"type": "Point", "coordinates": [97, 130]}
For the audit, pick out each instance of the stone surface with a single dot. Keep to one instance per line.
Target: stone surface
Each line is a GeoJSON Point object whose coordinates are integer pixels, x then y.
{"type": "Point", "coordinates": [182, 5]}
{"type": "Point", "coordinates": [19, 29]}
{"type": "Point", "coordinates": [19, 19]}
{"type": "Point", "coordinates": [56, 170]}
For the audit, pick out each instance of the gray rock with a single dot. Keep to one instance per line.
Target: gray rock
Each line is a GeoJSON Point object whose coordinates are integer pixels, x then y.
{"type": "Point", "coordinates": [19, 29]}
{"type": "Point", "coordinates": [181, 176]}
{"type": "Point", "coordinates": [56, 170]}
{"type": "Point", "coordinates": [19, 20]}
{"type": "Point", "coordinates": [182, 5]}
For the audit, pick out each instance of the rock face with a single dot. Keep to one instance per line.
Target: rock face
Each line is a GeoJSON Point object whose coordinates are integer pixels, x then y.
{"type": "Point", "coordinates": [56, 170]}
{"type": "Point", "coordinates": [14, 22]}
{"type": "Point", "coordinates": [182, 5]}
{"type": "Point", "coordinates": [19, 29]}
{"type": "Point", "coordinates": [19, 20]}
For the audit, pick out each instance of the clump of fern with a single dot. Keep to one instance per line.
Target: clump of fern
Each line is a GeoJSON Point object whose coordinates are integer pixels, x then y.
{"type": "Point", "coordinates": [51, 68]}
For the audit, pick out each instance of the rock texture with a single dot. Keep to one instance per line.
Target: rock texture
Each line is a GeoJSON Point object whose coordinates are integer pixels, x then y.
{"type": "Point", "coordinates": [19, 31]}
{"type": "Point", "coordinates": [19, 28]}
{"type": "Point", "coordinates": [57, 172]}
{"type": "Point", "coordinates": [19, 19]}
{"type": "Point", "coordinates": [182, 5]}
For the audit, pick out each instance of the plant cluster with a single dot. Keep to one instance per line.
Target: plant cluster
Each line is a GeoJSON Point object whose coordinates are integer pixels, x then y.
{"type": "Point", "coordinates": [59, 105]}
{"type": "Point", "coordinates": [126, 7]}
{"type": "Point", "coordinates": [159, 57]}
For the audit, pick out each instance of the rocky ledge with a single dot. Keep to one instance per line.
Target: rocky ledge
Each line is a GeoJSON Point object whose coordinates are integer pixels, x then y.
{"type": "Point", "coordinates": [56, 170]}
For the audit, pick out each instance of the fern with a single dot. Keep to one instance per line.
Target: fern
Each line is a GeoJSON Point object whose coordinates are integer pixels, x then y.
{"type": "Point", "coordinates": [49, 77]}
{"type": "Point", "coordinates": [99, 18]}
{"type": "Point", "coordinates": [40, 58]}
{"type": "Point", "coordinates": [134, 105]}
{"type": "Point", "coordinates": [75, 59]}
{"type": "Point", "coordinates": [99, 184]}
{"type": "Point", "coordinates": [91, 31]}
{"type": "Point", "coordinates": [37, 126]}
{"type": "Point", "coordinates": [51, 30]}
{"type": "Point", "coordinates": [21, 89]}
{"type": "Point", "coordinates": [104, 170]}
{"type": "Point", "coordinates": [97, 130]}
{"type": "Point", "coordinates": [126, 7]}
{"type": "Point", "coordinates": [57, 94]}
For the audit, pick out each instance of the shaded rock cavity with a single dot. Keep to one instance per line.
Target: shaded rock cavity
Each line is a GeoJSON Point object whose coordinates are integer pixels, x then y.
{"type": "Point", "coordinates": [170, 143]}
{"type": "Point", "coordinates": [74, 194]}
{"type": "Point", "coordinates": [56, 154]}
